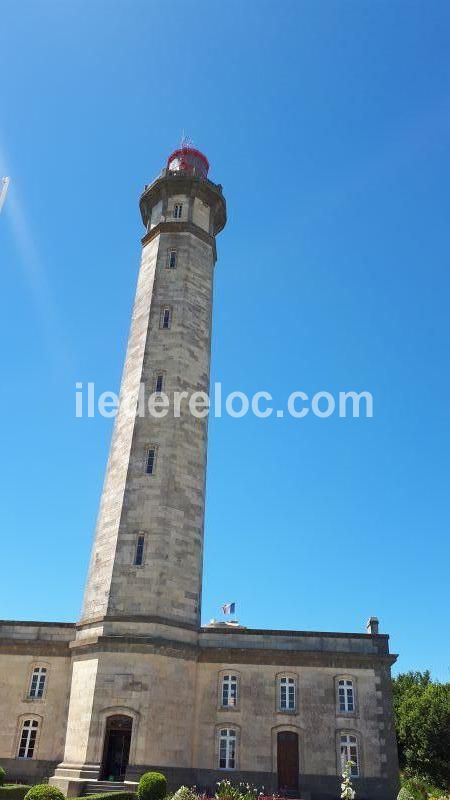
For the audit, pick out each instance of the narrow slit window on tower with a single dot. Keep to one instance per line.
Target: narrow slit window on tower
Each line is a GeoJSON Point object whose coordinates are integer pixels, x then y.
{"type": "Point", "coordinates": [139, 554]}
{"type": "Point", "coordinates": [172, 259]}
{"type": "Point", "coordinates": [159, 383]}
{"type": "Point", "coordinates": [177, 210]}
{"type": "Point", "coordinates": [151, 461]}
{"type": "Point", "coordinates": [166, 318]}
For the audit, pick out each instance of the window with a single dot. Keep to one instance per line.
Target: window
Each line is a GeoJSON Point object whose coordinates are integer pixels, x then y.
{"type": "Point", "coordinates": [172, 259]}
{"type": "Point", "coordinates": [346, 696]}
{"type": "Point", "coordinates": [229, 691]}
{"type": "Point", "coordinates": [151, 461]}
{"type": "Point", "coordinates": [349, 752]}
{"type": "Point", "coordinates": [227, 748]}
{"type": "Point", "coordinates": [37, 683]}
{"type": "Point", "coordinates": [159, 383]}
{"type": "Point", "coordinates": [28, 735]}
{"type": "Point", "coordinates": [139, 554]}
{"type": "Point", "coordinates": [177, 210]}
{"type": "Point", "coordinates": [166, 318]}
{"type": "Point", "coordinates": [287, 694]}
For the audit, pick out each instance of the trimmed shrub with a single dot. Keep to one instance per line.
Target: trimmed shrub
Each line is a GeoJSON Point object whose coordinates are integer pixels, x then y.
{"type": "Point", "coordinates": [111, 796]}
{"type": "Point", "coordinates": [43, 791]}
{"type": "Point", "coordinates": [152, 786]}
{"type": "Point", "coordinates": [2, 776]}
{"type": "Point", "coordinates": [13, 791]}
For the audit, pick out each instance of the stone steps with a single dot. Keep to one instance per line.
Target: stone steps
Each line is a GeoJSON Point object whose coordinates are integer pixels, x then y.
{"type": "Point", "coordinates": [97, 787]}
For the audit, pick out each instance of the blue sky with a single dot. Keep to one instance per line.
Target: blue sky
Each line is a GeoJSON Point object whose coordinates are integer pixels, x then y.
{"type": "Point", "coordinates": [328, 125]}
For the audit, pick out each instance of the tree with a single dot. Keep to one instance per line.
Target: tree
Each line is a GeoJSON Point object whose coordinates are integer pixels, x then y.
{"type": "Point", "coordinates": [422, 716]}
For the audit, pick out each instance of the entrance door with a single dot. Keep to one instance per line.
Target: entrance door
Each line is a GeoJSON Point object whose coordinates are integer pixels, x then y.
{"type": "Point", "coordinates": [117, 747]}
{"type": "Point", "coordinates": [287, 760]}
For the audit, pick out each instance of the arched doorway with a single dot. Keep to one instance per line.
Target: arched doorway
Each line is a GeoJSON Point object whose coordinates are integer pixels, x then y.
{"type": "Point", "coordinates": [287, 761]}
{"type": "Point", "coordinates": [116, 749]}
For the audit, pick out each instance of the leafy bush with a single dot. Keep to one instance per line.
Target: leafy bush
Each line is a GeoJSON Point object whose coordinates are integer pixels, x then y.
{"type": "Point", "coordinates": [110, 796]}
{"type": "Point", "coordinates": [2, 776]}
{"type": "Point", "coordinates": [152, 786]}
{"type": "Point", "coordinates": [422, 718]}
{"type": "Point", "coordinates": [248, 791]}
{"type": "Point", "coordinates": [43, 791]}
{"type": "Point", "coordinates": [226, 791]}
{"type": "Point", "coordinates": [13, 791]}
{"type": "Point", "coordinates": [183, 793]}
{"type": "Point", "coordinates": [417, 789]}
{"type": "Point", "coordinates": [405, 794]}
{"type": "Point", "coordinates": [244, 791]}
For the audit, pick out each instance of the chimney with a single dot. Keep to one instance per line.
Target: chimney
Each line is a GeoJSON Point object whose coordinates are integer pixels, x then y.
{"type": "Point", "coordinates": [372, 626]}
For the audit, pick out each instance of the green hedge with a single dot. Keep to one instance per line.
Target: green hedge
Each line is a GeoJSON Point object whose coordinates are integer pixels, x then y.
{"type": "Point", "coordinates": [110, 796]}
{"type": "Point", "coordinates": [152, 786]}
{"type": "Point", "coordinates": [13, 791]}
{"type": "Point", "coordinates": [43, 791]}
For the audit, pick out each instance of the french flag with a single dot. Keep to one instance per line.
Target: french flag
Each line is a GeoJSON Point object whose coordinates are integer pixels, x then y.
{"type": "Point", "coordinates": [229, 608]}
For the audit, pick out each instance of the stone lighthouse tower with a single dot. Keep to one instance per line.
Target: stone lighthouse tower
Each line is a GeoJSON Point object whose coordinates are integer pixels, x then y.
{"type": "Point", "coordinates": [134, 652]}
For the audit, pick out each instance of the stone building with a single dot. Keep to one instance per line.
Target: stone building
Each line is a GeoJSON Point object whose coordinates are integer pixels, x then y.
{"type": "Point", "coordinates": [138, 683]}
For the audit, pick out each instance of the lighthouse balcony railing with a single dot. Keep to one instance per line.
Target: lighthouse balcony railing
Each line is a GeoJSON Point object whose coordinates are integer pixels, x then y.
{"type": "Point", "coordinates": [183, 173]}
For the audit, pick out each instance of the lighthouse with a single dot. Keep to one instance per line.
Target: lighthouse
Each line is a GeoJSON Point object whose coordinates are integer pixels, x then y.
{"type": "Point", "coordinates": [145, 576]}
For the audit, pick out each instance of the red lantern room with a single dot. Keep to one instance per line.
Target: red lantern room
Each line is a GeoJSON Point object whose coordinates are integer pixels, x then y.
{"type": "Point", "coordinates": [188, 159]}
